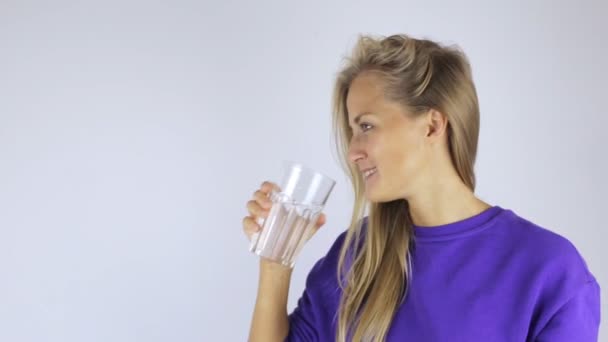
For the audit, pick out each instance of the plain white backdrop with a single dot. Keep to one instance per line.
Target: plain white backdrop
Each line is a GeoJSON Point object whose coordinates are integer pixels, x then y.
{"type": "Point", "coordinates": [132, 134]}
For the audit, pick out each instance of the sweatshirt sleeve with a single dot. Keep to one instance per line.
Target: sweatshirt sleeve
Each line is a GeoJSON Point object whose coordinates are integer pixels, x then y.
{"type": "Point", "coordinates": [311, 320]}
{"type": "Point", "coordinates": [303, 325]}
{"type": "Point", "coordinates": [577, 320]}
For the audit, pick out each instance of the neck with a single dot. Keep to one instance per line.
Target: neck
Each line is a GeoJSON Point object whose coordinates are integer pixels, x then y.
{"type": "Point", "coordinates": [445, 201]}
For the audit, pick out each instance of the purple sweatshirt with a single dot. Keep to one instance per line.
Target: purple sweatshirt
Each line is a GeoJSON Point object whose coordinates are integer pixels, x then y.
{"type": "Point", "coordinates": [491, 277]}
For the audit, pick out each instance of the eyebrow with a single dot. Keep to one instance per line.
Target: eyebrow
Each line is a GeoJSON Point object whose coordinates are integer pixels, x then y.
{"type": "Point", "coordinates": [358, 117]}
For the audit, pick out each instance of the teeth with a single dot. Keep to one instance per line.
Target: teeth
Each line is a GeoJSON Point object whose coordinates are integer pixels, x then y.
{"type": "Point", "coordinates": [369, 172]}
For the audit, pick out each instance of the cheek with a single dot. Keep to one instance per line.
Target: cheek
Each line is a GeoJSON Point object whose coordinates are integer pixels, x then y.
{"type": "Point", "coordinates": [403, 160]}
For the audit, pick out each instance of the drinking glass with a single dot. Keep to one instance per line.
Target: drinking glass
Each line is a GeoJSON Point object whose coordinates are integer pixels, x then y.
{"type": "Point", "coordinates": [296, 207]}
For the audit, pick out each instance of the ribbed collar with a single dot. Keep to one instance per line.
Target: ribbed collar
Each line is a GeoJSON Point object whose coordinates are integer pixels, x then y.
{"type": "Point", "coordinates": [460, 228]}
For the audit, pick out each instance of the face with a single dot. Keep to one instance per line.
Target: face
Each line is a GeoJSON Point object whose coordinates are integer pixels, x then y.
{"type": "Point", "coordinates": [385, 137]}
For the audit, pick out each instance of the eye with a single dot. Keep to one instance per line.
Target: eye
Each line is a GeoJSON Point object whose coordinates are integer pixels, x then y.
{"type": "Point", "coordinates": [365, 124]}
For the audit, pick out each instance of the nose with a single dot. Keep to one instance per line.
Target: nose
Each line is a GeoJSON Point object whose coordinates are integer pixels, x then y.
{"type": "Point", "coordinates": [355, 151]}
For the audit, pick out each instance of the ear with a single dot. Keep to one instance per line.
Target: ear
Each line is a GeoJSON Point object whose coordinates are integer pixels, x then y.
{"type": "Point", "coordinates": [437, 124]}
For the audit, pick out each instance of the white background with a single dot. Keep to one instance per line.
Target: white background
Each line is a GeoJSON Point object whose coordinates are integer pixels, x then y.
{"type": "Point", "coordinates": [132, 134]}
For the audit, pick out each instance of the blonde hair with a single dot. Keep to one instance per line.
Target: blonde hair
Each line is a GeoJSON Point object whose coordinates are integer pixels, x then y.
{"type": "Point", "coordinates": [419, 74]}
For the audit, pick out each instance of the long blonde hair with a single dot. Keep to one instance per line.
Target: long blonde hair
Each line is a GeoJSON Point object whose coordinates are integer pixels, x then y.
{"type": "Point", "coordinates": [420, 74]}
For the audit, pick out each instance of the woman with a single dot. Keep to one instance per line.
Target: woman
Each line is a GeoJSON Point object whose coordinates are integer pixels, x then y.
{"type": "Point", "coordinates": [431, 261]}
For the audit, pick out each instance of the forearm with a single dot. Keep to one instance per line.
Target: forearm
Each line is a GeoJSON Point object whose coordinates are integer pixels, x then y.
{"type": "Point", "coordinates": [269, 321]}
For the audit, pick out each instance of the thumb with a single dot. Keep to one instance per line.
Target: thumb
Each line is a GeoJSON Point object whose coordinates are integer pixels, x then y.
{"type": "Point", "coordinates": [320, 221]}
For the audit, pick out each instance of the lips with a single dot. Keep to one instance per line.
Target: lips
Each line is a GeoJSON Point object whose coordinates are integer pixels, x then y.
{"type": "Point", "coordinates": [369, 172]}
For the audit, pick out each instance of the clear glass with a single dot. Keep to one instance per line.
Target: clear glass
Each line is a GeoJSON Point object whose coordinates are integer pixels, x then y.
{"type": "Point", "coordinates": [295, 210]}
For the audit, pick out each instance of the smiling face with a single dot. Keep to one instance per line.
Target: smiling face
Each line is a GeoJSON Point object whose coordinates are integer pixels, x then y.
{"type": "Point", "coordinates": [385, 137]}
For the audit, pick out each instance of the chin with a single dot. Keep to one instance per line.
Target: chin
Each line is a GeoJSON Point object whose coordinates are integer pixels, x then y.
{"type": "Point", "coordinates": [376, 196]}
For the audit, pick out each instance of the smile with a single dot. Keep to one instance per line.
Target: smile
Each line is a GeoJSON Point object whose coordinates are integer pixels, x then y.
{"type": "Point", "coordinates": [369, 173]}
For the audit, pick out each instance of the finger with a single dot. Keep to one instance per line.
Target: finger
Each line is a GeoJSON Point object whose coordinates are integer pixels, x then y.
{"type": "Point", "coordinates": [256, 210]}
{"type": "Point", "coordinates": [250, 227]}
{"type": "Point", "coordinates": [321, 221]}
{"type": "Point", "coordinates": [262, 199]}
{"type": "Point", "coordinates": [268, 186]}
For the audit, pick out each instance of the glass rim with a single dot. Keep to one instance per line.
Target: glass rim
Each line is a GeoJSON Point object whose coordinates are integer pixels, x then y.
{"type": "Point", "coordinates": [302, 166]}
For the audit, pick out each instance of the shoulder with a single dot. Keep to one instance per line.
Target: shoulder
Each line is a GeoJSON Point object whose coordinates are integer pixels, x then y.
{"type": "Point", "coordinates": [324, 271]}
{"type": "Point", "coordinates": [329, 261]}
{"type": "Point", "coordinates": [565, 293]}
{"type": "Point", "coordinates": [549, 267]}
{"type": "Point", "coordinates": [544, 249]}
